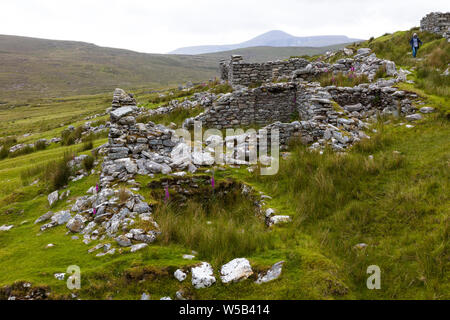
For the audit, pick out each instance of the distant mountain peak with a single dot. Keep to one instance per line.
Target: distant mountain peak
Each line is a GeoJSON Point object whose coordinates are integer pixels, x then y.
{"type": "Point", "coordinates": [273, 38]}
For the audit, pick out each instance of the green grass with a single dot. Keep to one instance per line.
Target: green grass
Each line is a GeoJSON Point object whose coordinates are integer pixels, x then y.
{"type": "Point", "coordinates": [219, 227]}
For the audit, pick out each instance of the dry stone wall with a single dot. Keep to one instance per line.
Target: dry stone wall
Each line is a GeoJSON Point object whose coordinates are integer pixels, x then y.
{"type": "Point", "coordinates": [262, 105]}
{"type": "Point", "coordinates": [244, 73]}
{"type": "Point", "coordinates": [437, 22]}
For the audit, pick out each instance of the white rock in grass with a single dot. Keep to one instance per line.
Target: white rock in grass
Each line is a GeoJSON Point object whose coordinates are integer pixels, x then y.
{"type": "Point", "coordinates": [52, 198]}
{"type": "Point", "coordinates": [236, 270]}
{"type": "Point", "coordinates": [269, 212]}
{"type": "Point", "coordinates": [188, 256]}
{"type": "Point", "coordinates": [166, 298]}
{"type": "Point", "coordinates": [180, 275]}
{"type": "Point", "coordinates": [203, 276]}
{"type": "Point", "coordinates": [139, 246]}
{"type": "Point", "coordinates": [272, 274]}
{"type": "Point", "coordinates": [6, 228]}
{"type": "Point", "coordinates": [280, 219]}
{"type": "Point", "coordinates": [427, 110]}
{"type": "Point", "coordinates": [414, 117]}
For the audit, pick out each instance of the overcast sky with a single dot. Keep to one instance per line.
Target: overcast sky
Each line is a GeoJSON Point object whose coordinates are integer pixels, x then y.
{"type": "Point", "coordinates": [164, 25]}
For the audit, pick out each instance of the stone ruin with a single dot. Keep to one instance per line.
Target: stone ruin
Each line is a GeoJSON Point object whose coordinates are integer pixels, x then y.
{"type": "Point", "coordinates": [288, 91]}
{"type": "Point", "coordinates": [437, 22]}
{"type": "Point", "coordinates": [334, 116]}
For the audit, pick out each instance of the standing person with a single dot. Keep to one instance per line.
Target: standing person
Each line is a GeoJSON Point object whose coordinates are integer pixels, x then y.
{"type": "Point", "coordinates": [415, 44]}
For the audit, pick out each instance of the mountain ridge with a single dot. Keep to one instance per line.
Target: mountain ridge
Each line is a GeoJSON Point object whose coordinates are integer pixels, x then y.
{"type": "Point", "coordinates": [273, 38]}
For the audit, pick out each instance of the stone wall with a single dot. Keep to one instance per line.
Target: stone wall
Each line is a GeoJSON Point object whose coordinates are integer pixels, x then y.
{"type": "Point", "coordinates": [437, 22]}
{"type": "Point", "coordinates": [262, 105]}
{"type": "Point", "coordinates": [238, 72]}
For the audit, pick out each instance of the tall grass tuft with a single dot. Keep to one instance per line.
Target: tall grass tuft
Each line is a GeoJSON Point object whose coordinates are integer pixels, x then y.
{"type": "Point", "coordinates": [57, 173]}
{"type": "Point", "coordinates": [219, 229]}
{"type": "Point", "coordinates": [342, 80]}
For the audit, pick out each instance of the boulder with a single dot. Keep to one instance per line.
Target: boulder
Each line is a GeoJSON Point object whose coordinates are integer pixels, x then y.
{"type": "Point", "coordinates": [123, 241]}
{"type": "Point", "coordinates": [141, 207]}
{"type": "Point", "coordinates": [138, 246]}
{"type": "Point", "coordinates": [364, 51]}
{"type": "Point", "coordinates": [279, 219]}
{"type": "Point", "coordinates": [180, 275]}
{"type": "Point", "coordinates": [203, 276]}
{"type": "Point", "coordinates": [272, 274]}
{"type": "Point", "coordinates": [6, 228]}
{"type": "Point", "coordinates": [121, 112]}
{"type": "Point", "coordinates": [52, 198]}
{"type": "Point", "coordinates": [44, 217]}
{"type": "Point", "coordinates": [414, 117]}
{"type": "Point", "coordinates": [348, 52]}
{"type": "Point", "coordinates": [236, 270]}
{"type": "Point", "coordinates": [76, 224]}
{"type": "Point", "coordinates": [427, 110]}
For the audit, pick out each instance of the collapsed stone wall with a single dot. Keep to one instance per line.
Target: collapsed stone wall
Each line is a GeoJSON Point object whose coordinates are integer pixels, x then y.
{"type": "Point", "coordinates": [262, 105]}
{"type": "Point", "coordinates": [437, 22]}
{"type": "Point", "coordinates": [245, 73]}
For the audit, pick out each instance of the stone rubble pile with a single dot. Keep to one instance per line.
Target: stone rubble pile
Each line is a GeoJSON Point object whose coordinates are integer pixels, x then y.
{"type": "Point", "coordinates": [437, 22]}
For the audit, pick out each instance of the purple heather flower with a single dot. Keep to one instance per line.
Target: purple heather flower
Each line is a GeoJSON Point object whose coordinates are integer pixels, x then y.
{"type": "Point", "coordinates": [96, 187]}
{"type": "Point", "coordinates": [167, 195]}
{"type": "Point", "coordinates": [213, 182]}
{"type": "Point", "coordinates": [94, 211]}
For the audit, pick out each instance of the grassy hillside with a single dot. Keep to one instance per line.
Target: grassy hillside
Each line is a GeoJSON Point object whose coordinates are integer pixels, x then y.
{"type": "Point", "coordinates": [37, 68]}
{"type": "Point", "coordinates": [397, 202]}
{"type": "Point", "coordinates": [46, 68]}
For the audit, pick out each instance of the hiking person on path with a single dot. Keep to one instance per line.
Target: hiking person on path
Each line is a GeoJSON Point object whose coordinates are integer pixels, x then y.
{"type": "Point", "coordinates": [415, 44]}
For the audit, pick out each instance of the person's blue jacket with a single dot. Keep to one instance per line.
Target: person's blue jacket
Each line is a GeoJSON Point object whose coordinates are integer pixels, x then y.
{"type": "Point", "coordinates": [411, 42]}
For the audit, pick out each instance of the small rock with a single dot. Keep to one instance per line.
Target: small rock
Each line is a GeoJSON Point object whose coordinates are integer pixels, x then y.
{"type": "Point", "coordinates": [360, 246]}
{"type": "Point", "coordinates": [427, 110]}
{"type": "Point", "coordinates": [139, 246]}
{"type": "Point", "coordinates": [269, 212]}
{"type": "Point", "coordinates": [123, 241]}
{"type": "Point", "coordinates": [236, 270]}
{"type": "Point", "coordinates": [52, 198]}
{"type": "Point", "coordinates": [280, 219]}
{"type": "Point", "coordinates": [180, 275]}
{"type": "Point", "coordinates": [6, 228]}
{"type": "Point", "coordinates": [203, 276]}
{"type": "Point", "coordinates": [414, 117]}
{"type": "Point", "coordinates": [272, 274]}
